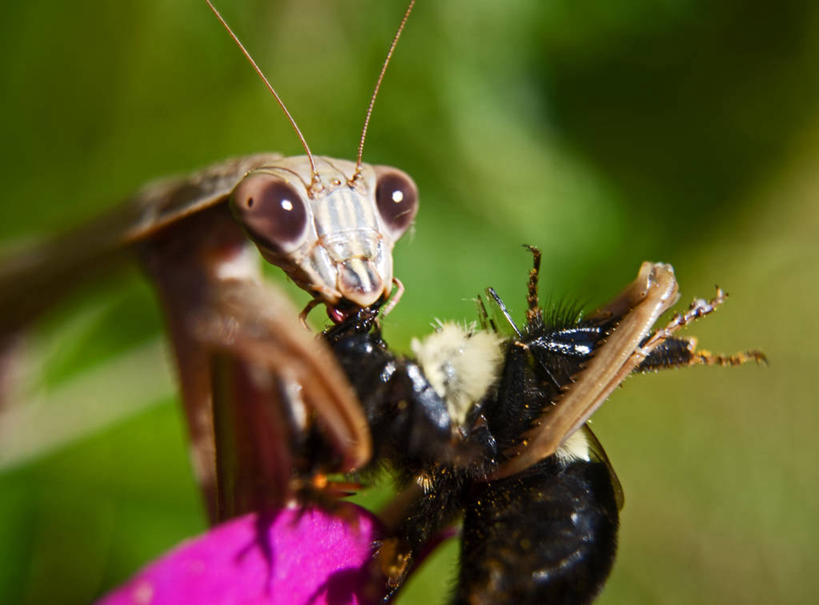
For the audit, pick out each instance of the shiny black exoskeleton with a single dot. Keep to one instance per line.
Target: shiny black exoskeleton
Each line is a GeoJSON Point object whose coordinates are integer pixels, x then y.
{"type": "Point", "coordinates": [545, 535]}
{"type": "Point", "coordinates": [408, 420]}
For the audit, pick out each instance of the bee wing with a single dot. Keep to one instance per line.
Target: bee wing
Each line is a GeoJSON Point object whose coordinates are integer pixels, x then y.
{"type": "Point", "coordinates": [32, 280]}
{"type": "Point", "coordinates": [635, 311]}
{"type": "Point", "coordinates": [597, 452]}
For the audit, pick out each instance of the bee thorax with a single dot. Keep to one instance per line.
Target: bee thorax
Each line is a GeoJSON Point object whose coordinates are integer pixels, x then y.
{"type": "Point", "coordinates": [461, 364]}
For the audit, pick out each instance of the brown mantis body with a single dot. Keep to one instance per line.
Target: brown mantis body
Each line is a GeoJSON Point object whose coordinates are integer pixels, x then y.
{"type": "Point", "coordinates": [330, 224]}
{"type": "Point", "coordinates": [198, 256]}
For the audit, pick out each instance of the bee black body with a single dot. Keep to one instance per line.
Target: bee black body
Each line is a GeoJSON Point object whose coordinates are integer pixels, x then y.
{"type": "Point", "coordinates": [494, 430]}
{"type": "Point", "coordinates": [408, 420]}
{"type": "Point", "coordinates": [547, 534]}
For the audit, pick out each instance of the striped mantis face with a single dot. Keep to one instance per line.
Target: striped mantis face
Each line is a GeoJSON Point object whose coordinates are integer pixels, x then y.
{"type": "Point", "coordinates": [329, 224]}
{"type": "Point", "coordinates": [333, 233]}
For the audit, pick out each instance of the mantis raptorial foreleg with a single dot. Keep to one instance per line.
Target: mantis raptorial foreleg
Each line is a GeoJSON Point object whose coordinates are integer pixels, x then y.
{"type": "Point", "coordinates": [216, 306]}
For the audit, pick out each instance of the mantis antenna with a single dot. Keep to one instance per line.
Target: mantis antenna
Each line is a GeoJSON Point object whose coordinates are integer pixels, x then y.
{"type": "Point", "coordinates": [378, 87]}
{"type": "Point", "coordinates": [313, 171]}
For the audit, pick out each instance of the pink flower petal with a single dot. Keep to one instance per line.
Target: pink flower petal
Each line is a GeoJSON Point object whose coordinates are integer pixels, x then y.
{"type": "Point", "coordinates": [293, 557]}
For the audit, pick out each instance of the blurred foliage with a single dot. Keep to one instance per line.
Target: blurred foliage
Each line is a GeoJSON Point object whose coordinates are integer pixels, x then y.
{"type": "Point", "coordinates": [606, 133]}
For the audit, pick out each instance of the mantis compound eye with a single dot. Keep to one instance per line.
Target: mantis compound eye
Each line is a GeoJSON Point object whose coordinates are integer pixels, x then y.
{"type": "Point", "coordinates": [397, 199]}
{"type": "Point", "coordinates": [273, 212]}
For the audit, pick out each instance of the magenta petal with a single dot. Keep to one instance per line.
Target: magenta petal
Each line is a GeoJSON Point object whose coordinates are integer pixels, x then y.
{"type": "Point", "coordinates": [294, 558]}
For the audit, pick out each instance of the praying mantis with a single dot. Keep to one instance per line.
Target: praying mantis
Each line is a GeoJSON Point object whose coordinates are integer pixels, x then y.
{"type": "Point", "coordinates": [330, 224]}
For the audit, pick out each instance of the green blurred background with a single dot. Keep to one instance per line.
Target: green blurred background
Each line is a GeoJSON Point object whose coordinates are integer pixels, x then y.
{"type": "Point", "coordinates": [606, 133]}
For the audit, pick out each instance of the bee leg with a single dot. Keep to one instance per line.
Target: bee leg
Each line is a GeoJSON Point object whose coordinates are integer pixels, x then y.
{"type": "Point", "coordinates": [490, 292]}
{"type": "Point", "coordinates": [708, 358]}
{"type": "Point", "coordinates": [484, 321]}
{"type": "Point", "coordinates": [416, 521]}
{"type": "Point", "coordinates": [676, 352]}
{"type": "Point", "coordinates": [663, 350]}
{"type": "Point", "coordinates": [698, 308]}
{"type": "Point", "coordinates": [533, 312]}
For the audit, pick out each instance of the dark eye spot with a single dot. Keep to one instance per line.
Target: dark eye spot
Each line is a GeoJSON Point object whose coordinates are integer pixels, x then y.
{"type": "Point", "coordinates": [397, 199]}
{"type": "Point", "coordinates": [271, 210]}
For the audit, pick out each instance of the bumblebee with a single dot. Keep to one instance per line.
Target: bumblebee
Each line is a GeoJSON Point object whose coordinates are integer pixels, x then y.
{"type": "Point", "coordinates": [493, 430]}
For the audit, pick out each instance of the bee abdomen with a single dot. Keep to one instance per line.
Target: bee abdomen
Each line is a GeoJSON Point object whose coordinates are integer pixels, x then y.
{"type": "Point", "coordinates": [548, 535]}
